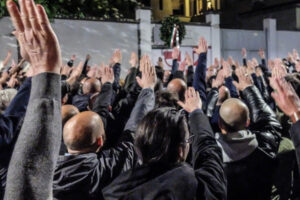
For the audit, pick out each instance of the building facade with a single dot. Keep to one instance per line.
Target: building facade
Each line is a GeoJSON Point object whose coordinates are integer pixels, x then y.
{"type": "Point", "coordinates": [185, 9]}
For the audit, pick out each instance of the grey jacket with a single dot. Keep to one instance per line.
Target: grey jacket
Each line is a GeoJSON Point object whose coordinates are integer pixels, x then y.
{"type": "Point", "coordinates": [36, 151]}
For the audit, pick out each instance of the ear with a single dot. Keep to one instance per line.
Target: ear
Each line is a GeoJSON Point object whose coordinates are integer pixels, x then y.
{"type": "Point", "coordinates": [181, 153]}
{"type": "Point", "coordinates": [100, 141]}
{"type": "Point", "coordinates": [248, 123]}
{"type": "Point", "coordinates": [223, 131]}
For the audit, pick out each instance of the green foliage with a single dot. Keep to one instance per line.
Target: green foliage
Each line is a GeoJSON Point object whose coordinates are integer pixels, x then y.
{"type": "Point", "coordinates": [109, 9]}
{"type": "Point", "coordinates": [167, 28]}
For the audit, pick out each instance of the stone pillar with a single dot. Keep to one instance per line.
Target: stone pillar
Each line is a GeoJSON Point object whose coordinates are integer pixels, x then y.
{"type": "Point", "coordinates": [215, 36]}
{"type": "Point", "coordinates": [187, 8]}
{"type": "Point", "coordinates": [270, 29]}
{"type": "Point", "coordinates": [145, 30]}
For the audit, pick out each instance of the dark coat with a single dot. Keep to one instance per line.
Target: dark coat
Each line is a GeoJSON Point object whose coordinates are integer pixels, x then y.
{"type": "Point", "coordinates": [204, 180]}
{"type": "Point", "coordinates": [83, 176]}
{"type": "Point", "coordinates": [251, 176]}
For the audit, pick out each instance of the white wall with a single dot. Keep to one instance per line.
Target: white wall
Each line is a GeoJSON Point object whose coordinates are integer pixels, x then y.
{"type": "Point", "coordinates": [234, 40]}
{"type": "Point", "coordinates": [287, 41]}
{"type": "Point", "coordinates": [99, 39]}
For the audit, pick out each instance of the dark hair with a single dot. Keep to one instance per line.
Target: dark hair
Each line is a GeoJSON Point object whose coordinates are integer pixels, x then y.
{"type": "Point", "coordinates": [166, 98]}
{"type": "Point", "coordinates": [160, 134]}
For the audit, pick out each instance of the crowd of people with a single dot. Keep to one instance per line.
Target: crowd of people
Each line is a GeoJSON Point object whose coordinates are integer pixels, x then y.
{"type": "Point", "coordinates": [226, 131]}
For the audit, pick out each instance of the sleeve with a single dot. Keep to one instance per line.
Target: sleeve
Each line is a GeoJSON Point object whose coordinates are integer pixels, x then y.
{"type": "Point", "coordinates": [117, 71]}
{"type": "Point", "coordinates": [295, 136]}
{"type": "Point", "coordinates": [207, 159]}
{"type": "Point", "coordinates": [13, 115]}
{"type": "Point", "coordinates": [144, 104]}
{"type": "Point", "coordinates": [103, 102]}
{"type": "Point", "coordinates": [121, 158]}
{"type": "Point", "coordinates": [261, 114]}
{"type": "Point", "coordinates": [190, 76]}
{"type": "Point", "coordinates": [174, 70]}
{"type": "Point", "coordinates": [34, 158]}
{"type": "Point", "coordinates": [199, 82]}
{"type": "Point", "coordinates": [231, 87]}
{"type": "Point", "coordinates": [245, 62]}
{"type": "Point", "coordinates": [212, 99]}
{"type": "Point", "coordinates": [130, 79]}
{"type": "Point", "coordinates": [84, 70]}
{"type": "Point", "coordinates": [70, 63]}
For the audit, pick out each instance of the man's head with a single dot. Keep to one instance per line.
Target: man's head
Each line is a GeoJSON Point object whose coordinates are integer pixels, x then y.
{"type": "Point", "coordinates": [178, 87]}
{"type": "Point", "coordinates": [84, 133]}
{"type": "Point", "coordinates": [91, 86]}
{"type": "Point", "coordinates": [234, 116]}
{"type": "Point", "coordinates": [67, 112]}
{"type": "Point", "coordinates": [162, 136]}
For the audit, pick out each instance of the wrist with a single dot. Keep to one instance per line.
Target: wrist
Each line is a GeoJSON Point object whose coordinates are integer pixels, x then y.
{"type": "Point", "coordinates": [295, 116]}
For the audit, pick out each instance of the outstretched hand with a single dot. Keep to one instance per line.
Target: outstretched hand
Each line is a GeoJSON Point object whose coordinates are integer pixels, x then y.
{"type": "Point", "coordinates": [133, 60]}
{"type": "Point", "coordinates": [149, 78]}
{"type": "Point", "coordinates": [38, 42]}
{"type": "Point", "coordinates": [285, 96]}
{"type": "Point", "coordinates": [192, 101]}
{"type": "Point", "coordinates": [202, 46]}
{"type": "Point", "coordinates": [108, 75]}
{"type": "Point", "coordinates": [245, 79]}
{"type": "Point", "coordinates": [175, 53]}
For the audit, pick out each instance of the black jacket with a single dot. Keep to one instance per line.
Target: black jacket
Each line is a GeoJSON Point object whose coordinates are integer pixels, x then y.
{"type": "Point", "coordinates": [83, 176]}
{"type": "Point", "coordinates": [205, 180]}
{"type": "Point", "coordinates": [251, 176]}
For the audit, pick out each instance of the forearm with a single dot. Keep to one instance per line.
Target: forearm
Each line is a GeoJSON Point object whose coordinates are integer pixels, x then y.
{"type": "Point", "coordinates": [36, 151]}
{"type": "Point", "coordinates": [130, 79]}
{"type": "Point", "coordinates": [190, 76]}
{"type": "Point", "coordinates": [295, 136]}
{"type": "Point", "coordinates": [144, 104]}
{"type": "Point", "coordinates": [260, 112]}
{"type": "Point", "coordinates": [103, 101]}
{"type": "Point", "coordinates": [84, 70]}
{"type": "Point", "coordinates": [245, 62]}
{"type": "Point", "coordinates": [212, 99]}
{"type": "Point", "coordinates": [117, 71]}
{"type": "Point", "coordinates": [174, 66]}
{"type": "Point", "coordinates": [199, 82]}
{"type": "Point", "coordinates": [207, 156]}
{"type": "Point", "coordinates": [231, 87]}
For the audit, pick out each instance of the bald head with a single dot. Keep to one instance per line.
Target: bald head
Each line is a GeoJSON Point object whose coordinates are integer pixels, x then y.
{"type": "Point", "coordinates": [234, 115]}
{"type": "Point", "coordinates": [67, 112]}
{"type": "Point", "coordinates": [91, 86]}
{"type": "Point", "coordinates": [177, 86]}
{"type": "Point", "coordinates": [84, 133]}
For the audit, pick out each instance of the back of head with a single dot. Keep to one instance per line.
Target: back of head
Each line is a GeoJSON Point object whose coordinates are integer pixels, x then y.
{"type": "Point", "coordinates": [166, 98]}
{"type": "Point", "coordinates": [160, 134]}
{"type": "Point", "coordinates": [178, 86]}
{"type": "Point", "coordinates": [67, 112]}
{"type": "Point", "coordinates": [91, 86]}
{"type": "Point", "coordinates": [84, 133]}
{"type": "Point", "coordinates": [234, 115]}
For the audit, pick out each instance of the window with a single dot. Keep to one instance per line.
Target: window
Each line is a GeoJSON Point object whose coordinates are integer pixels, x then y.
{"type": "Point", "coordinates": [161, 4]}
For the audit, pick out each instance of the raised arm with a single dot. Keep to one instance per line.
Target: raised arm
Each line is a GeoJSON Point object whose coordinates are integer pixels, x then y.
{"type": "Point", "coordinates": [206, 155]}
{"type": "Point", "coordinates": [34, 158]}
{"type": "Point", "coordinates": [146, 99]}
{"type": "Point", "coordinates": [199, 82]}
{"type": "Point", "coordinates": [103, 100]}
{"type": "Point", "coordinates": [288, 101]}
{"type": "Point", "coordinates": [261, 114]}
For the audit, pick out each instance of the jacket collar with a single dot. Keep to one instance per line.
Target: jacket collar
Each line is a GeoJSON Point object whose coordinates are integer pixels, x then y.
{"type": "Point", "coordinates": [236, 146]}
